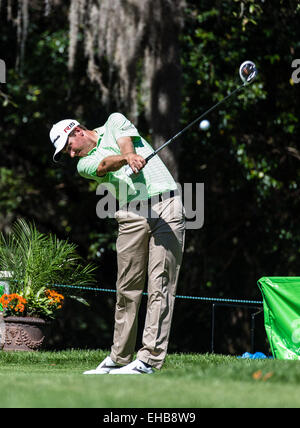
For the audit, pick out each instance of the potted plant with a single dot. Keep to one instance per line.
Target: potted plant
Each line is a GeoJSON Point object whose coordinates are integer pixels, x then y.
{"type": "Point", "coordinates": [36, 262]}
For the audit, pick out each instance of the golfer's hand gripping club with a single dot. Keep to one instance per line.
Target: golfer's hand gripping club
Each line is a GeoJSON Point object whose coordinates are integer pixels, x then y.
{"type": "Point", "coordinates": [129, 171]}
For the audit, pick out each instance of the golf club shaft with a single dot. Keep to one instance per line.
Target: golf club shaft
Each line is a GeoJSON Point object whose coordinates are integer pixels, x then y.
{"type": "Point", "coordinates": [193, 123]}
{"type": "Point", "coordinates": [129, 171]}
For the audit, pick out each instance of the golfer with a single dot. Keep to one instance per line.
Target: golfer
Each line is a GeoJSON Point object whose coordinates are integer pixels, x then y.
{"type": "Point", "coordinates": [150, 239]}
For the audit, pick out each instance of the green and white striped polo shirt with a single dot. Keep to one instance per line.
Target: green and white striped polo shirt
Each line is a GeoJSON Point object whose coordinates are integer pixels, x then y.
{"type": "Point", "coordinates": [152, 180]}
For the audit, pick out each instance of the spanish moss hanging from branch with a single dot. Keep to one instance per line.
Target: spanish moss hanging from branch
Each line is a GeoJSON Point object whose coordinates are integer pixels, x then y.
{"type": "Point", "coordinates": [132, 53]}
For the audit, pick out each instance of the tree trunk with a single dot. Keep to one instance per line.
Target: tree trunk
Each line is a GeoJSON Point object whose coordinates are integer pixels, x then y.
{"type": "Point", "coordinates": [164, 73]}
{"type": "Point", "coordinates": [137, 43]}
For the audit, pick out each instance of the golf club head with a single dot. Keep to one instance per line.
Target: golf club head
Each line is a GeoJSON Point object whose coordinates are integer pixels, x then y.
{"type": "Point", "coordinates": [248, 72]}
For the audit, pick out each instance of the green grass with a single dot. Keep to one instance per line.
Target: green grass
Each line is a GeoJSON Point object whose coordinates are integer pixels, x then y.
{"type": "Point", "coordinates": [54, 379]}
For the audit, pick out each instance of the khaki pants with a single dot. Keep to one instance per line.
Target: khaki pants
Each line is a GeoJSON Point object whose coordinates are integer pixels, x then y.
{"type": "Point", "coordinates": [153, 244]}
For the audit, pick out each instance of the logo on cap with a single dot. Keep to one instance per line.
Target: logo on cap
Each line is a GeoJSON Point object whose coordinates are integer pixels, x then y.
{"type": "Point", "coordinates": [70, 126]}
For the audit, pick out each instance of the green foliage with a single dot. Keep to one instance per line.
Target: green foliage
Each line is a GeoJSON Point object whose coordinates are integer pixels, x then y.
{"type": "Point", "coordinates": [37, 262]}
{"type": "Point", "coordinates": [248, 161]}
{"type": "Point", "coordinates": [10, 189]}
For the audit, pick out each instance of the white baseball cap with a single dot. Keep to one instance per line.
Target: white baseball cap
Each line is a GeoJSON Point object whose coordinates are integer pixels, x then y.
{"type": "Point", "coordinates": [59, 134]}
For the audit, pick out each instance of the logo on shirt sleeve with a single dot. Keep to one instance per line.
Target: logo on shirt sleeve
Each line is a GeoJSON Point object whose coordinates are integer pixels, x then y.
{"type": "Point", "coordinates": [125, 128]}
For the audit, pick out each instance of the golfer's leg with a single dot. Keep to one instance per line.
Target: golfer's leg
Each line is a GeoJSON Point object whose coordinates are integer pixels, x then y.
{"type": "Point", "coordinates": [132, 256]}
{"type": "Point", "coordinates": [165, 256]}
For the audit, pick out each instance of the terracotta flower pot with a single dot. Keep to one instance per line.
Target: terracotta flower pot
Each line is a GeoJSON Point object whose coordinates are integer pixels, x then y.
{"type": "Point", "coordinates": [24, 333]}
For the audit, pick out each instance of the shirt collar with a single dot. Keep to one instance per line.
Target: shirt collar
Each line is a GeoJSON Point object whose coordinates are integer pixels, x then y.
{"type": "Point", "coordinates": [100, 132]}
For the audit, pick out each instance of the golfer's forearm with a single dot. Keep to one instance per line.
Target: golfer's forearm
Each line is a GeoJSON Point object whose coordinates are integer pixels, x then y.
{"type": "Point", "coordinates": [111, 163]}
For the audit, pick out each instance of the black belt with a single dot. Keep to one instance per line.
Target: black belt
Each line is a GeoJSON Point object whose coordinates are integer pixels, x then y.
{"type": "Point", "coordinates": [164, 196]}
{"type": "Point", "coordinates": [150, 201]}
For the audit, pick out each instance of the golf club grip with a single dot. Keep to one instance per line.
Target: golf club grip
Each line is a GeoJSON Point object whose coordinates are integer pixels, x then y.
{"type": "Point", "coordinates": [150, 156]}
{"type": "Point", "coordinates": [128, 169]}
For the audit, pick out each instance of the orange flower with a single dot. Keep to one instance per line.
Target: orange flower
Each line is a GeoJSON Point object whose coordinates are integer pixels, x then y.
{"type": "Point", "coordinates": [54, 298]}
{"type": "Point", "coordinates": [14, 302]}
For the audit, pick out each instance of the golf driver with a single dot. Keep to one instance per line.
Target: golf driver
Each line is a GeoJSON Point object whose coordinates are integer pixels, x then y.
{"type": "Point", "coordinates": [247, 73]}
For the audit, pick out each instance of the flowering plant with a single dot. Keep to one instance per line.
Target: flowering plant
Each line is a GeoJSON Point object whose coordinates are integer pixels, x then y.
{"type": "Point", "coordinates": [14, 304]}
{"type": "Point", "coordinates": [36, 260]}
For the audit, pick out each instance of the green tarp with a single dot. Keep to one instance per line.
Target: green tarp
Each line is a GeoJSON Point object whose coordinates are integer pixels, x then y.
{"type": "Point", "coordinates": [281, 300]}
{"type": "Point", "coordinates": [1, 292]}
